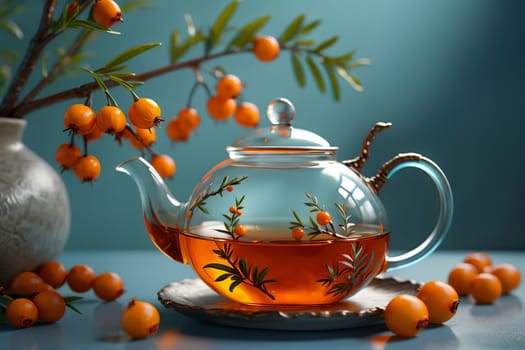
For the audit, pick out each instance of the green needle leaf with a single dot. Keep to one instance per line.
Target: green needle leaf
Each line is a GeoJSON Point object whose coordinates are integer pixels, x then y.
{"type": "Point", "coordinates": [316, 74]}
{"type": "Point", "coordinates": [220, 267]}
{"type": "Point", "coordinates": [292, 29]}
{"type": "Point", "coordinates": [353, 81]}
{"type": "Point", "coordinates": [222, 20]}
{"type": "Point", "coordinates": [326, 44]}
{"type": "Point", "coordinates": [80, 23]}
{"type": "Point", "coordinates": [361, 62]}
{"type": "Point", "coordinates": [179, 51]}
{"type": "Point", "coordinates": [298, 70]}
{"type": "Point", "coordinates": [74, 308]}
{"type": "Point", "coordinates": [129, 54]}
{"type": "Point", "coordinates": [247, 33]}
{"type": "Point", "coordinates": [243, 267]}
{"type": "Point", "coordinates": [222, 277]}
{"type": "Point", "coordinates": [45, 71]}
{"type": "Point", "coordinates": [235, 284]}
{"type": "Point", "coordinates": [12, 28]}
{"type": "Point", "coordinates": [304, 42]}
{"type": "Point", "coordinates": [174, 43]}
{"type": "Point", "coordinates": [72, 298]}
{"type": "Point", "coordinates": [190, 26]}
{"type": "Point", "coordinates": [310, 26]}
{"type": "Point", "coordinates": [330, 70]}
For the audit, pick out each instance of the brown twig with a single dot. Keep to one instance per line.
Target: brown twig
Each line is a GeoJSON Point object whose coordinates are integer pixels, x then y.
{"type": "Point", "coordinates": [85, 89]}
{"type": "Point", "coordinates": [36, 45]}
{"type": "Point", "coordinates": [64, 60]}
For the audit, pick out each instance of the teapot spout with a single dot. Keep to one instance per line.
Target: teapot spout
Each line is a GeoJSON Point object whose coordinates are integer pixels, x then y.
{"type": "Point", "coordinates": [164, 215]}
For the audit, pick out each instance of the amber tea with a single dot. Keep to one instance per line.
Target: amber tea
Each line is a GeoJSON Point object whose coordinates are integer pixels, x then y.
{"type": "Point", "coordinates": [306, 272]}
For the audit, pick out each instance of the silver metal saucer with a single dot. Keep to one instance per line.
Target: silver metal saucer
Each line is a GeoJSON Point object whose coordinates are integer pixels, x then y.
{"type": "Point", "coordinates": [194, 298]}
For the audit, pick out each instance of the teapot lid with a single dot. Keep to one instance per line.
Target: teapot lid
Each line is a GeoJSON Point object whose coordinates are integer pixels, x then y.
{"type": "Point", "coordinates": [281, 136]}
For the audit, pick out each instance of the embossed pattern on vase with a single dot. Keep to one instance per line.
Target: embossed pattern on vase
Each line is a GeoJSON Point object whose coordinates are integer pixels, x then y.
{"type": "Point", "coordinates": [34, 207]}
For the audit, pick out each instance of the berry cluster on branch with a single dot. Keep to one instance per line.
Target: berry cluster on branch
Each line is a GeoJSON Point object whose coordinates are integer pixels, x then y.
{"type": "Point", "coordinates": [137, 124]}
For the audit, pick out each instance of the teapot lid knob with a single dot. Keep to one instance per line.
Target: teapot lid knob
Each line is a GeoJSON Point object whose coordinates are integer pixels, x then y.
{"type": "Point", "coordinates": [280, 112]}
{"type": "Point", "coordinates": [280, 135]}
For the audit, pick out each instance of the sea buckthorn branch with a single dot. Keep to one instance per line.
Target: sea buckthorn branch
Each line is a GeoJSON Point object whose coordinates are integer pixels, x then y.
{"type": "Point", "coordinates": [87, 88]}
{"type": "Point", "coordinates": [238, 271]}
{"type": "Point", "coordinates": [6, 297]}
{"type": "Point", "coordinates": [356, 268]}
{"type": "Point", "coordinates": [232, 226]}
{"type": "Point", "coordinates": [314, 229]}
{"type": "Point", "coordinates": [323, 218]}
{"type": "Point", "coordinates": [347, 227]}
{"type": "Point", "coordinates": [227, 184]}
{"type": "Point", "coordinates": [47, 31]}
{"type": "Point", "coordinates": [219, 40]}
{"type": "Point", "coordinates": [322, 224]}
{"type": "Point", "coordinates": [69, 57]}
{"type": "Point", "coordinates": [291, 39]}
{"type": "Point", "coordinates": [36, 45]}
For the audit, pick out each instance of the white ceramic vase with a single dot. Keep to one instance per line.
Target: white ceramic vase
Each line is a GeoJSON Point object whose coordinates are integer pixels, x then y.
{"type": "Point", "coordinates": [34, 206]}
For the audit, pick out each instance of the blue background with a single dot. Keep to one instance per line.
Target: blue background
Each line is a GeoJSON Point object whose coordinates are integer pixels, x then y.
{"type": "Point", "coordinates": [448, 74]}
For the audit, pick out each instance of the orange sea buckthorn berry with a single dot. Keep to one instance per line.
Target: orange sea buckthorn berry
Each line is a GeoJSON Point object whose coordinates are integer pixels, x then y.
{"type": "Point", "coordinates": [229, 188]}
{"type": "Point", "coordinates": [232, 209]}
{"type": "Point", "coordinates": [21, 313]}
{"type": "Point", "coordinates": [143, 138]}
{"type": "Point", "coordinates": [240, 230]}
{"type": "Point", "coordinates": [106, 12]}
{"type": "Point", "coordinates": [51, 306]}
{"type": "Point", "coordinates": [94, 135]}
{"type": "Point", "coordinates": [247, 115]}
{"type": "Point", "coordinates": [53, 273]}
{"type": "Point", "coordinates": [266, 48]}
{"type": "Point", "coordinates": [177, 130]}
{"type": "Point", "coordinates": [238, 212]}
{"type": "Point", "coordinates": [147, 136]}
{"type": "Point", "coordinates": [297, 233]}
{"type": "Point", "coordinates": [441, 299]}
{"type": "Point", "coordinates": [485, 288]}
{"type": "Point", "coordinates": [145, 113]}
{"type": "Point", "coordinates": [189, 117]}
{"type": "Point", "coordinates": [140, 319]}
{"type": "Point", "coordinates": [461, 276]}
{"type": "Point", "coordinates": [126, 134]}
{"type": "Point", "coordinates": [87, 168]}
{"type": "Point", "coordinates": [79, 118]}
{"type": "Point", "coordinates": [406, 315]}
{"type": "Point", "coordinates": [108, 286]}
{"type": "Point", "coordinates": [72, 8]}
{"type": "Point", "coordinates": [164, 164]}
{"type": "Point", "coordinates": [80, 278]}
{"type": "Point", "coordinates": [323, 218]}
{"type": "Point", "coordinates": [508, 275]}
{"type": "Point", "coordinates": [111, 119]}
{"type": "Point", "coordinates": [67, 155]}
{"type": "Point", "coordinates": [221, 108]}
{"type": "Point", "coordinates": [26, 282]}
{"type": "Point", "coordinates": [229, 86]}
{"type": "Point", "coordinates": [480, 260]}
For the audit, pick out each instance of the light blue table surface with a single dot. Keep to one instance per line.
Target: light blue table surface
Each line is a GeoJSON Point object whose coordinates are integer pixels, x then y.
{"type": "Point", "coordinates": [497, 326]}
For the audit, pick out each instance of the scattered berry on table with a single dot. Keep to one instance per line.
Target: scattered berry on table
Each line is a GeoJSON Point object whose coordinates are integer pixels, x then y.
{"type": "Point", "coordinates": [140, 319]}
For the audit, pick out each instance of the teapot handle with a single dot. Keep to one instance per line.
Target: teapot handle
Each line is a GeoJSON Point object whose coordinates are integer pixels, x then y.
{"type": "Point", "coordinates": [446, 204]}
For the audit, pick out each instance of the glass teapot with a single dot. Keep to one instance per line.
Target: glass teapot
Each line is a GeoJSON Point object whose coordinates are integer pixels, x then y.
{"type": "Point", "coordinates": [281, 222]}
